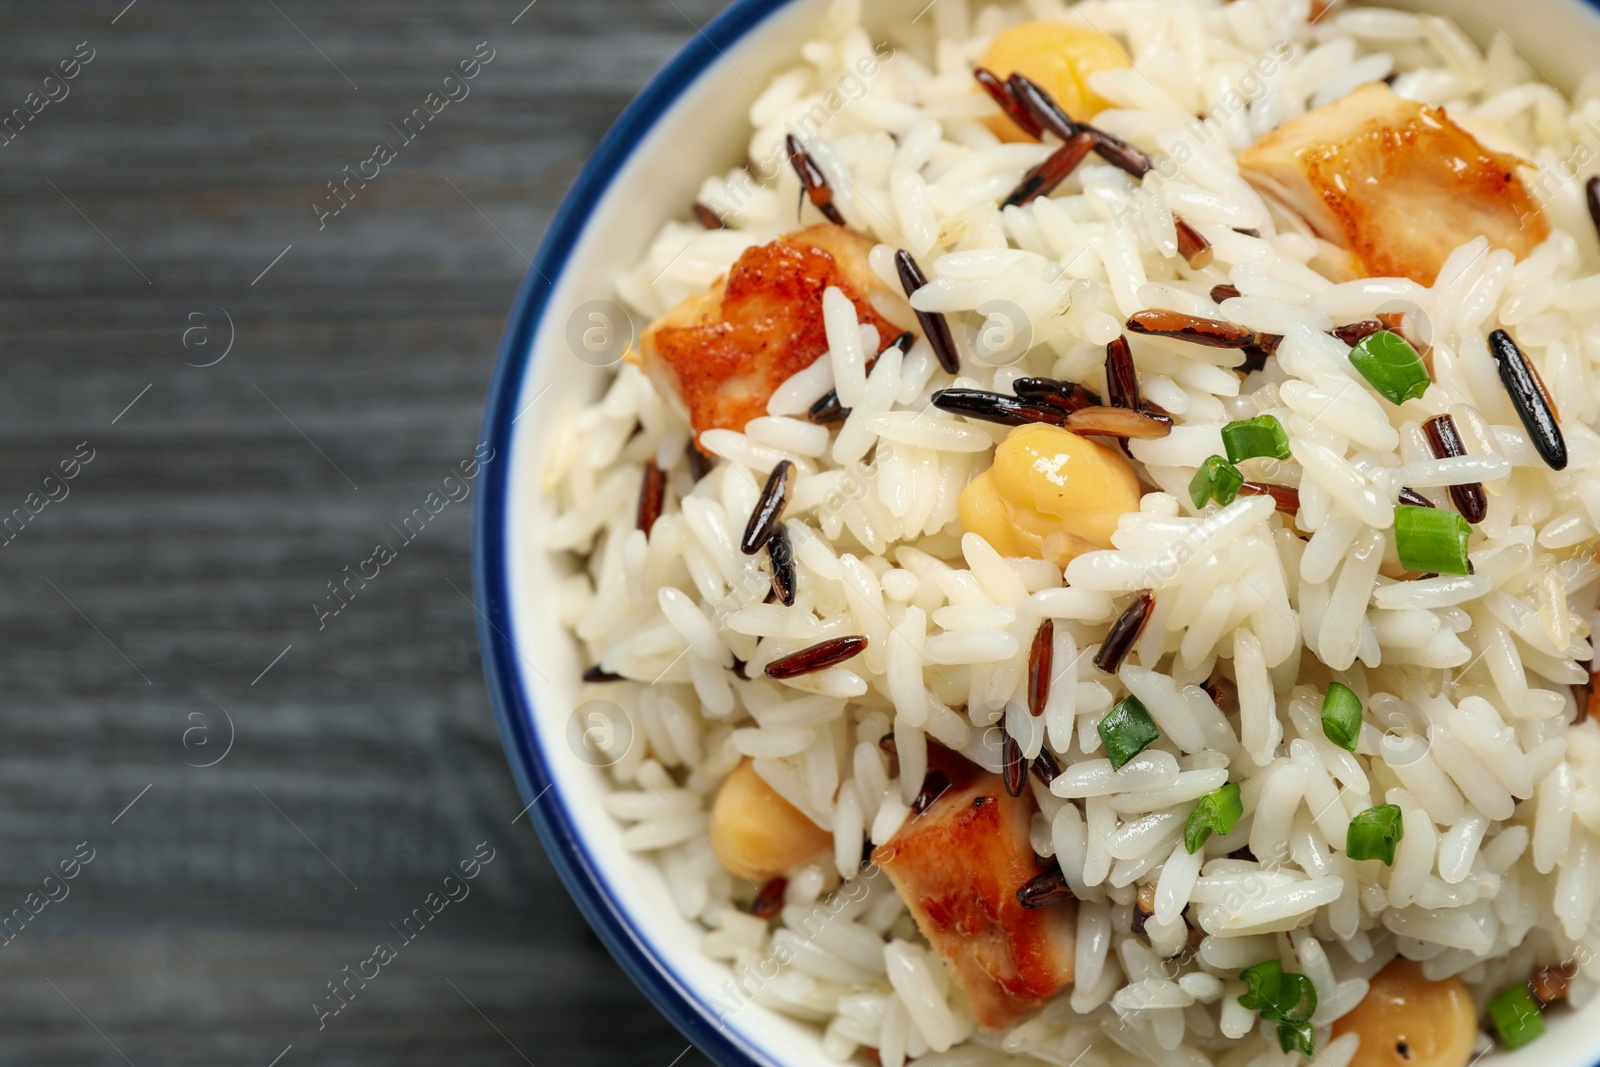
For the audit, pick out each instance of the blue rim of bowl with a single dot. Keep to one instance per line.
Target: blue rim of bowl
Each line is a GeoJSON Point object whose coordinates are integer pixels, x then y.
{"type": "Point", "coordinates": [513, 708]}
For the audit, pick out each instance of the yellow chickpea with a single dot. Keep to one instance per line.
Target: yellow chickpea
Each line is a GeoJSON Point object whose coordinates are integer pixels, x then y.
{"type": "Point", "coordinates": [1050, 494]}
{"type": "Point", "coordinates": [758, 834]}
{"type": "Point", "coordinates": [1060, 58]}
{"type": "Point", "coordinates": [1407, 1020]}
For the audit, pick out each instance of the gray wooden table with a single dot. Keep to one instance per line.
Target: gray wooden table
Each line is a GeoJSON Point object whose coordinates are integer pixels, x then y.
{"type": "Point", "coordinates": [160, 602]}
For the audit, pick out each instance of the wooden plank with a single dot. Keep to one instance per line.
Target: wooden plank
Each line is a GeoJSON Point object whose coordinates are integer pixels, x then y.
{"type": "Point", "coordinates": [187, 554]}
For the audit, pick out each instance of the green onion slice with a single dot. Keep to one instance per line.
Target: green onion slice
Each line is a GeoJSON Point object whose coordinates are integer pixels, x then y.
{"type": "Point", "coordinates": [1217, 811]}
{"type": "Point", "coordinates": [1260, 436]}
{"type": "Point", "coordinates": [1431, 540]}
{"type": "Point", "coordinates": [1279, 995]}
{"type": "Point", "coordinates": [1374, 833]}
{"type": "Point", "coordinates": [1393, 367]}
{"type": "Point", "coordinates": [1126, 731]}
{"type": "Point", "coordinates": [1516, 1016]}
{"type": "Point", "coordinates": [1299, 1038]}
{"type": "Point", "coordinates": [1218, 480]}
{"type": "Point", "coordinates": [1262, 984]}
{"type": "Point", "coordinates": [1341, 716]}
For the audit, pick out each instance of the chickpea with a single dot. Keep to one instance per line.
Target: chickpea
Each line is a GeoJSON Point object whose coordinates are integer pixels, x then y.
{"type": "Point", "coordinates": [1407, 1020]}
{"type": "Point", "coordinates": [1060, 58]}
{"type": "Point", "coordinates": [1050, 494]}
{"type": "Point", "coordinates": [757, 833]}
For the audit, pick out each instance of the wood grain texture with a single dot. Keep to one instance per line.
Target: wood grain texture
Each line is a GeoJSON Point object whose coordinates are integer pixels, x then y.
{"type": "Point", "coordinates": [187, 554]}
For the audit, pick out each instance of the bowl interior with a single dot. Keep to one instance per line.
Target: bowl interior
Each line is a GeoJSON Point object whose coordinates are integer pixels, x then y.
{"type": "Point", "coordinates": [692, 121]}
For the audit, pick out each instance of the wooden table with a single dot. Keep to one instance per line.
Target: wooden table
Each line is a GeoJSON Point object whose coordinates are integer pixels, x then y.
{"type": "Point", "coordinates": [167, 590]}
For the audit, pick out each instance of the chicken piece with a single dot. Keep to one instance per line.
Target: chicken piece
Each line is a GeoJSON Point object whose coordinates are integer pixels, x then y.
{"type": "Point", "coordinates": [1396, 182]}
{"type": "Point", "coordinates": [727, 350]}
{"type": "Point", "coordinates": [958, 867]}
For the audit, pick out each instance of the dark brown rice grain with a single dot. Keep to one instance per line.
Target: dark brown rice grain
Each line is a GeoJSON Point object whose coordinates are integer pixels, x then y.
{"type": "Point", "coordinates": [780, 550]}
{"type": "Point", "coordinates": [708, 218]}
{"type": "Point", "coordinates": [1122, 378]}
{"type": "Point", "coordinates": [1219, 293]}
{"type": "Point", "coordinates": [934, 325]}
{"type": "Point", "coordinates": [1057, 167]}
{"type": "Point", "coordinates": [1286, 498]}
{"type": "Point", "coordinates": [1412, 498]}
{"type": "Point", "coordinates": [1213, 333]}
{"type": "Point", "coordinates": [1124, 632]}
{"type": "Point", "coordinates": [1041, 663]}
{"type": "Point", "coordinates": [934, 786]}
{"type": "Point", "coordinates": [813, 183]}
{"type": "Point", "coordinates": [997, 407]}
{"type": "Point", "coordinates": [652, 496]}
{"type": "Point", "coordinates": [1014, 768]}
{"type": "Point", "coordinates": [768, 509]}
{"type": "Point", "coordinates": [1445, 443]}
{"type": "Point", "coordinates": [1044, 767]}
{"type": "Point", "coordinates": [769, 900]}
{"type": "Point", "coordinates": [1192, 245]}
{"type": "Point", "coordinates": [1044, 890]}
{"type": "Point", "coordinates": [817, 657]}
{"type": "Point", "coordinates": [1001, 95]}
{"type": "Point", "coordinates": [1530, 398]}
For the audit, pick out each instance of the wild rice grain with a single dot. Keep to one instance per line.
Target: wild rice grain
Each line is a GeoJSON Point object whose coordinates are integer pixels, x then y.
{"type": "Point", "coordinates": [934, 325]}
{"type": "Point", "coordinates": [1192, 245]}
{"type": "Point", "coordinates": [1052, 117]}
{"type": "Point", "coordinates": [827, 410]}
{"type": "Point", "coordinates": [1219, 293]}
{"type": "Point", "coordinates": [1286, 498]}
{"type": "Point", "coordinates": [1213, 333]}
{"type": "Point", "coordinates": [1041, 661]}
{"type": "Point", "coordinates": [769, 900]}
{"type": "Point", "coordinates": [1044, 767]}
{"type": "Point", "coordinates": [652, 496]}
{"type": "Point", "coordinates": [1014, 766]}
{"type": "Point", "coordinates": [1044, 890]}
{"type": "Point", "coordinates": [1001, 95]}
{"type": "Point", "coordinates": [818, 657]}
{"type": "Point", "coordinates": [1414, 499]}
{"type": "Point", "coordinates": [1354, 333]}
{"type": "Point", "coordinates": [1122, 378]}
{"type": "Point", "coordinates": [935, 785]}
{"type": "Point", "coordinates": [1119, 422]}
{"type": "Point", "coordinates": [1591, 194]}
{"type": "Point", "coordinates": [1043, 179]}
{"type": "Point", "coordinates": [768, 509]}
{"type": "Point", "coordinates": [997, 407]}
{"type": "Point", "coordinates": [1065, 395]}
{"type": "Point", "coordinates": [1124, 632]}
{"type": "Point", "coordinates": [780, 550]}
{"type": "Point", "coordinates": [708, 218]}
{"type": "Point", "coordinates": [813, 183]}
{"type": "Point", "coordinates": [1445, 442]}
{"type": "Point", "coordinates": [1529, 397]}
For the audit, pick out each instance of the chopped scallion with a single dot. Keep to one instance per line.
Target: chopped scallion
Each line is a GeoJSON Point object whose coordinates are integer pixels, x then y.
{"type": "Point", "coordinates": [1299, 1038]}
{"type": "Point", "coordinates": [1217, 811]}
{"type": "Point", "coordinates": [1286, 998]}
{"type": "Point", "coordinates": [1374, 833]}
{"type": "Point", "coordinates": [1431, 540]}
{"type": "Point", "coordinates": [1260, 436]}
{"type": "Point", "coordinates": [1394, 368]}
{"type": "Point", "coordinates": [1341, 716]}
{"type": "Point", "coordinates": [1126, 731]}
{"type": "Point", "coordinates": [1218, 480]}
{"type": "Point", "coordinates": [1516, 1016]}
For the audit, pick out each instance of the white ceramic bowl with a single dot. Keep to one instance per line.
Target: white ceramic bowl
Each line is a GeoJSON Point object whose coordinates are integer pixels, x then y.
{"type": "Point", "coordinates": [691, 120]}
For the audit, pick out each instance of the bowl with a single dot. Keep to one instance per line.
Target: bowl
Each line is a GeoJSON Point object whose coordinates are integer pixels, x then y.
{"type": "Point", "coordinates": [564, 331]}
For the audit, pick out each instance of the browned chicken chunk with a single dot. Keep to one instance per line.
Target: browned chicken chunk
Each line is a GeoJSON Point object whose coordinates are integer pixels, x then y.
{"type": "Point", "coordinates": [958, 866]}
{"type": "Point", "coordinates": [725, 352]}
{"type": "Point", "coordinates": [1395, 182]}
